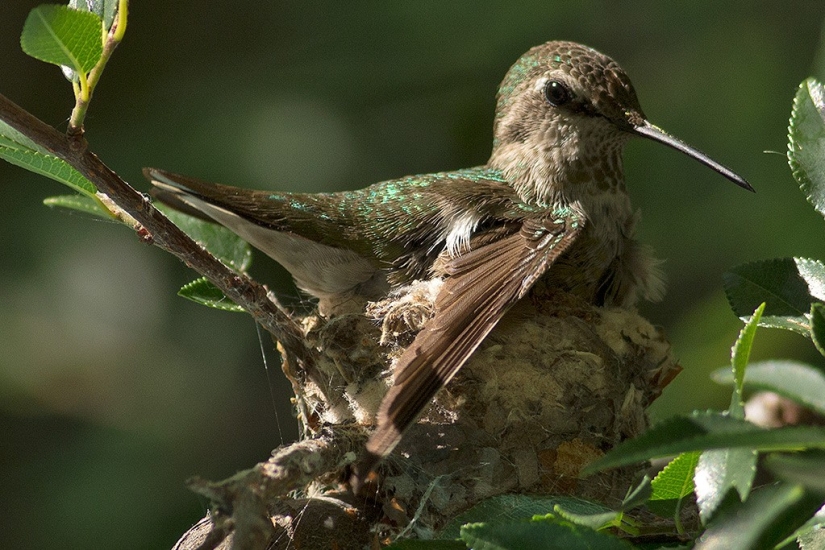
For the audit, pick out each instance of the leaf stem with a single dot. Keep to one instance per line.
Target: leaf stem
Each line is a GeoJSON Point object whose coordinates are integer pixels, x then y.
{"type": "Point", "coordinates": [122, 15]}
{"type": "Point", "coordinates": [89, 82]}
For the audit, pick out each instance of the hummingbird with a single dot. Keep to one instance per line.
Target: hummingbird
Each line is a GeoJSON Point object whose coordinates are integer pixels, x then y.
{"type": "Point", "coordinates": [549, 204]}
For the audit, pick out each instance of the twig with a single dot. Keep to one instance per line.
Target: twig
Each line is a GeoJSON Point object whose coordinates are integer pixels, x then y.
{"type": "Point", "coordinates": [247, 496]}
{"type": "Point", "coordinates": [157, 228]}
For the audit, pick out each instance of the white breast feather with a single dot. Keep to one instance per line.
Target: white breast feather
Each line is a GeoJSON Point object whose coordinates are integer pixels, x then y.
{"type": "Point", "coordinates": [458, 235]}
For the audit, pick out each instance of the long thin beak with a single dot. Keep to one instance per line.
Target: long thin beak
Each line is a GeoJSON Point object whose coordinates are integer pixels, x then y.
{"type": "Point", "coordinates": [655, 133]}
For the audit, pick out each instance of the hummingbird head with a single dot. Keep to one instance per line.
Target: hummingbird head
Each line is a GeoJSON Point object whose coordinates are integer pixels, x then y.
{"type": "Point", "coordinates": [563, 115]}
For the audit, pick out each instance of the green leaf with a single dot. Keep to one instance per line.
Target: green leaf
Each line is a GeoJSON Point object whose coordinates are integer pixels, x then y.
{"type": "Point", "coordinates": [811, 536]}
{"type": "Point", "coordinates": [82, 203]}
{"type": "Point", "coordinates": [818, 326]}
{"type": "Point", "coordinates": [46, 165]}
{"type": "Point", "coordinates": [109, 11]}
{"type": "Point", "coordinates": [797, 381]}
{"type": "Point", "coordinates": [812, 539]}
{"type": "Point", "coordinates": [9, 137]}
{"type": "Point", "coordinates": [782, 285]}
{"type": "Point", "coordinates": [806, 142]}
{"type": "Point", "coordinates": [739, 356]}
{"type": "Point", "coordinates": [805, 468]}
{"type": "Point", "coordinates": [63, 36]}
{"type": "Point", "coordinates": [718, 473]}
{"type": "Point", "coordinates": [507, 509]}
{"type": "Point", "coordinates": [816, 523]}
{"type": "Point", "coordinates": [702, 432]}
{"type": "Point", "coordinates": [721, 471]}
{"type": "Point", "coordinates": [764, 520]}
{"type": "Point", "coordinates": [21, 151]}
{"type": "Point", "coordinates": [438, 544]}
{"type": "Point", "coordinates": [537, 534]}
{"type": "Point", "coordinates": [637, 495]}
{"type": "Point", "coordinates": [673, 484]}
{"type": "Point", "coordinates": [813, 271]}
{"type": "Point", "coordinates": [224, 245]}
{"type": "Point", "coordinates": [104, 9]}
{"type": "Point", "coordinates": [589, 514]}
{"type": "Point", "coordinates": [207, 294]}
{"type": "Point", "coordinates": [221, 242]}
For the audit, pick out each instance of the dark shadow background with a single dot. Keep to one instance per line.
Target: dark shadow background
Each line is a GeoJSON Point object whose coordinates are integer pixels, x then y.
{"type": "Point", "coordinates": [113, 390]}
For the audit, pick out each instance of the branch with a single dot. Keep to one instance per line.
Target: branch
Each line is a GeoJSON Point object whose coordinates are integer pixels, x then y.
{"type": "Point", "coordinates": [242, 504]}
{"type": "Point", "coordinates": [157, 229]}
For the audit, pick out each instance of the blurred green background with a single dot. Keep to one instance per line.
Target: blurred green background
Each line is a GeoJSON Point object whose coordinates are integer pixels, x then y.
{"type": "Point", "coordinates": [113, 390]}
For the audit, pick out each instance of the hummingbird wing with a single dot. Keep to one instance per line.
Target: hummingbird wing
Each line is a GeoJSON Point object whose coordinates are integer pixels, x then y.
{"type": "Point", "coordinates": [268, 221]}
{"type": "Point", "coordinates": [363, 240]}
{"type": "Point", "coordinates": [479, 287]}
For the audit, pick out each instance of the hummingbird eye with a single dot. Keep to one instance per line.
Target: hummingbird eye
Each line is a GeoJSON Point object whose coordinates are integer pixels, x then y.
{"type": "Point", "coordinates": [557, 93]}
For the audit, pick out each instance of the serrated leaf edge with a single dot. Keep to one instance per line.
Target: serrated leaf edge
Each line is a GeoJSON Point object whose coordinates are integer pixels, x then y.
{"type": "Point", "coordinates": [224, 304]}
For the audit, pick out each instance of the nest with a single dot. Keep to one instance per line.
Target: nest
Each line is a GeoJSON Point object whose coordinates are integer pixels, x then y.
{"type": "Point", "coordinates": [557, 384]}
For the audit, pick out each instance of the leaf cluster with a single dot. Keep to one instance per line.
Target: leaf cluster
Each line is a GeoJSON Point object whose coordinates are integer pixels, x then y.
{"type": "Point", "coordinates": [79, 38]}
